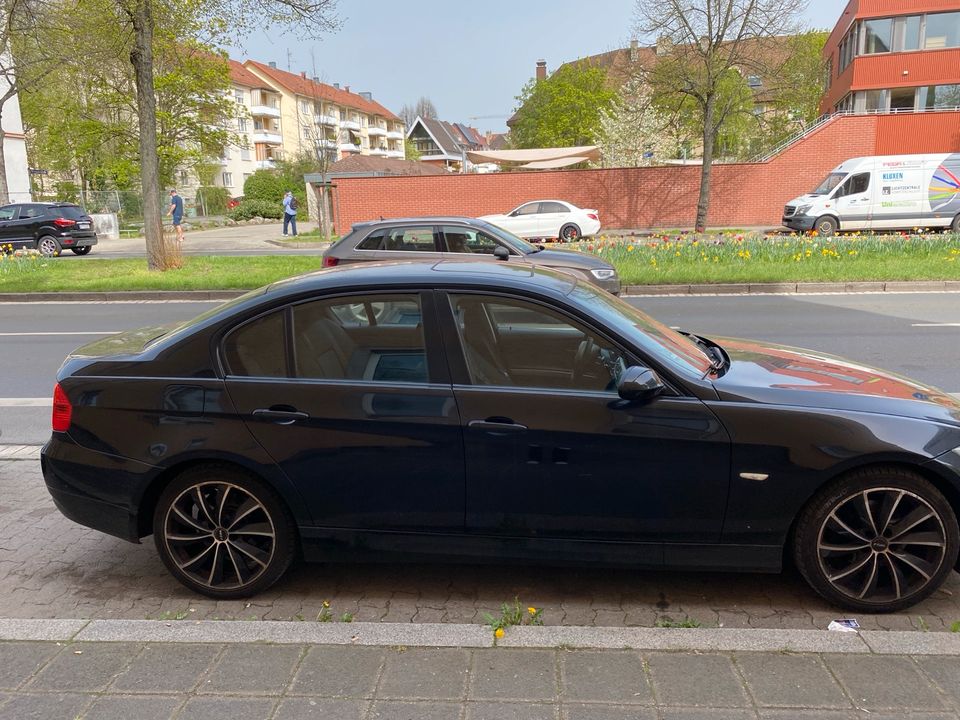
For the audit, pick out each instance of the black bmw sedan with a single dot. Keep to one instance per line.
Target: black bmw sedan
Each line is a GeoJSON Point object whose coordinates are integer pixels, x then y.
{"type": "Point", "coordinates": [499, 411]}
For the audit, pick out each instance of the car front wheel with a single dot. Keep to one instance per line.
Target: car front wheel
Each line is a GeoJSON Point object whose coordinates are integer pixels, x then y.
{"type": "Point", "coordinates": [570, 233]}
{"type": "Point", "coordinates": [878, 540]}
{"type": "Point", "coordinates": [222, 533]}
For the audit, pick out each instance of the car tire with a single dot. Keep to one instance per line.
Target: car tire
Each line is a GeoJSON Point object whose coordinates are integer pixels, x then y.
{"type": "Point", "coordinates": [955, 225]}
{"type": "Point", "coordinates": [83, 250]}
{"type": "Point", "coordinates": [877, 540]}
{"type": "Point", "coordinates": [223, 533]}
{"type": "Point", "coordinates": [570, 233]}
{"type": "Point", "coordinates": [825, 225]}
{"type": "Point", "coordinates": [49, 246]}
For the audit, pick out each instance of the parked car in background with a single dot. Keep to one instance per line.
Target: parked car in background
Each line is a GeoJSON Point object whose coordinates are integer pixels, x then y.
{"type": "Point", "coordinates": [50, 228]}
{"type": "Point", "coordinates": [503, 412]}
{"type": "Point", "coordinates": [444, 238]}
{"type": "Point", "coordinates": [549, 219]}
{"type": "Point", "coordinates": [234, 201]}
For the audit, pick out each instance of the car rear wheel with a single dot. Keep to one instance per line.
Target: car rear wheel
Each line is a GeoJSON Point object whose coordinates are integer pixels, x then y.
{"type": "Point", "coordinates": [570, 233]}
{"type": "Point", "coordinates": [83, 250]}
{"type": "Point", "coordinates": [222, 533]}
{"type": "Point", "coordinates": [825, 226]}
{"type": "Point", "coordinates": [878, 540]}
{"type": "Point", "coordinates": [48, 246]}
{"type": "Point", "coordinates": [955, 225]}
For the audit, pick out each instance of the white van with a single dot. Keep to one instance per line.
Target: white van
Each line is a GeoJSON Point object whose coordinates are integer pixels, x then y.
{"type": "Point", "coordinates": [882, 193]}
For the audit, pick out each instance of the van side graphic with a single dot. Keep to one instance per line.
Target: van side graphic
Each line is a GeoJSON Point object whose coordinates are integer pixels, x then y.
{"type": "Point", "coordinates": [945, 186]}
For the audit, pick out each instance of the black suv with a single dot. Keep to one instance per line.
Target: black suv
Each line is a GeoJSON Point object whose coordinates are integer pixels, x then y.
{"type": "Point", "coordinates": [48, 227]}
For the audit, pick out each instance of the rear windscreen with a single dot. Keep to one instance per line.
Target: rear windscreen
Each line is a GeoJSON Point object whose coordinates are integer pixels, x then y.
{"type": "Point", "coordinates": [71, 212]}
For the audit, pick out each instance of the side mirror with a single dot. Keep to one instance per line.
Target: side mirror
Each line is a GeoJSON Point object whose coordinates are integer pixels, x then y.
{"type": "Point", "coordinates": [501, 253]}
{"type": "Point", "coordinates": [639, 384]}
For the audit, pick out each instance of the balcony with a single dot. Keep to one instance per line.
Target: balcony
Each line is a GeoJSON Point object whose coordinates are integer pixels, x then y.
{"type": "Point", "coordinates": [265, 165]}
{"type": "Point", "coordinates": [378, 152]}
{"type": "Point", "coordinates": [268, 137]}
{"type": "Point", "coordinates": [396, 154]}
{"type": "Point", "coordinates": [328, 120]}
{"type": "Point", "coordinates": [265, 111]}
{"type": "Point", "coordinates": [395, 135]}
{"type": "Point", "coordinates": [327, 144]}
{"type": "Point", "coordinates": [349, 148]}
{"type": "Point", "coordinates": [375, 131]}
{"type": "Point", "coordinates": [350, 125]}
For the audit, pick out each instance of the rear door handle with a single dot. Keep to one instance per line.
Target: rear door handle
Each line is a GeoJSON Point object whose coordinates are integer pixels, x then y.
{"type": "Point", "coordinates": [497, 426]}
{"type": "Point", "coordinates": [280, 416]}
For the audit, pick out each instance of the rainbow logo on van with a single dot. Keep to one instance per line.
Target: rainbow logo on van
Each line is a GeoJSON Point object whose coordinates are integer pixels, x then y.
{"type": "Point", "coordinates": [945, 186]}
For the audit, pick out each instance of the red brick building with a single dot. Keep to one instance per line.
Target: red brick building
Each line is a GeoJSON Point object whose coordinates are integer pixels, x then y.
{"type": "Point", "coordinates": [894, 56]}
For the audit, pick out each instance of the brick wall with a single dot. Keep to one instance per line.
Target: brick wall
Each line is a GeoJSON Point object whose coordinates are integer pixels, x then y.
{"type": "Point", "coordinates": [743, 194]}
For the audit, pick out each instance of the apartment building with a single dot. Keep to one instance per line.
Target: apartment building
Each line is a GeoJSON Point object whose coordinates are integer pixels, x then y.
{"type": "Point", "coordinates": [894, 56]}
{"type": "Point", "coordinates": [302, 114]}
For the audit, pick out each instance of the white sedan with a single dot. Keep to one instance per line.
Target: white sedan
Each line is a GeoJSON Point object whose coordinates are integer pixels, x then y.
{"type": "Point", "coordinates": [549, 219]}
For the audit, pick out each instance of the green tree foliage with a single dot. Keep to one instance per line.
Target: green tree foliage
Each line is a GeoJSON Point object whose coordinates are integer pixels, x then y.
{"type": "Point", "coordinates": [564, 109]}
{"type": "Point", "coordinates": [410, 151]}
{"type": "Point", "coordinates": [266, 185]}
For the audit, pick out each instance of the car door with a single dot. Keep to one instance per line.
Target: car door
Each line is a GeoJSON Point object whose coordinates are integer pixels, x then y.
{"type": "Point", "coordinates": [854, 203]}
{"type": "Point", "coordinates": [460, 242]}
{"type": "Point", "coordinates": [551, 449]}
{"type": "Point", "coordinates": [7, 214]}
{"type": "Point", "coordinates": [525, 220]}
{"type": "Point", "coordinates": [351, 397]}
{"type": "Point", "coordinates": [553, 216]}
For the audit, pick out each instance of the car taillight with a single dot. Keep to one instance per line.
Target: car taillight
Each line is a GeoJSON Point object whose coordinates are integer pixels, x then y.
{"type": "Point", "coordinates": [62, 410]}
{"type": "Point", "coordinates": [64, 222]}
{"type": "Point", "coordinates": [593, 216]}
{"type": "Point", "coordinates": [330, 261]}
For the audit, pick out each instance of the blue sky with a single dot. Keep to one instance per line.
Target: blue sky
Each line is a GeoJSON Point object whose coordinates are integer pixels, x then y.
{"type": "Point", "coordinates": [471, 59]}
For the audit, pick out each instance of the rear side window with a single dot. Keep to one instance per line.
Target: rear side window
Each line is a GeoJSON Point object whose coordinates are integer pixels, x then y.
{"type": "Point", "coordinates": [552, 207]}
{"type": "Point", "coordinates": [256, 349]}
{"type": "Point", "coordinates": [71, 212]}
{"type": "Point", "coordinates": [404, 239]}
{"type": "Point", "coordinates": [31, 211]}
{"type": "Point", "coordinates": [373, 241]}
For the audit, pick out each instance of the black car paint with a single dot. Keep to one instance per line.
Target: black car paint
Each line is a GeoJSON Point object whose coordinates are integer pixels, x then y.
{"type": "Point", "coordinates": [142, 414]}
{"type": "Point", "coordinates": [22, 232]}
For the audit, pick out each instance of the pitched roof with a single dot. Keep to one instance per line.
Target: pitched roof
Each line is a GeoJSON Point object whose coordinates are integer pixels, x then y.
{"type": "Point", "coordinates": [383, 166]}
{"type": "Point", "coordinates": [239, 75]}
{"type": "Point", "coordinates": [300, 85]}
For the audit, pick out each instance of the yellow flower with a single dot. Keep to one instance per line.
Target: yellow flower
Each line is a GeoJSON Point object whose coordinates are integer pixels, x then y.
{"type": "Point", "coordinates": [629, 248]}
{"type": "Point", "coordinates": [326, 603]}
{"type": "Point", "coordinates": [532, 610]}
{"type": "Point", "coordinates": [498, 633]}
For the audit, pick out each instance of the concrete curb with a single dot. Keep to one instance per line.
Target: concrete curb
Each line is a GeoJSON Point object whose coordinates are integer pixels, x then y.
{"type": "Point", "coordinates": [479, 636]}
{"type": "Point", "coordinates": [627, 290]}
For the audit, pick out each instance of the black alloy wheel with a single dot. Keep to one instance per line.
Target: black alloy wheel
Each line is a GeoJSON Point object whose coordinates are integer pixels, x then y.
{"type": "Point", "coordinates": [83, 250]}
{"type": "Point", "coordinates": [222, 533]}
{"type": "Point", "coordinates": [570, 233]}
{"type": "Point", "coordinates": [879, 540]}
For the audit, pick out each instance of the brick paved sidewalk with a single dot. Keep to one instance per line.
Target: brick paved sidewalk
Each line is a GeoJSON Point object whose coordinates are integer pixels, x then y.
{"type": "Point", "coordinates": [253, 681]}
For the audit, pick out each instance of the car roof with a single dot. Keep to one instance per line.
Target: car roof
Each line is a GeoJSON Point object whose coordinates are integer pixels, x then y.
{"type": "Point", "coordinates": [426, 219]}
{"type": "Point", "coordinates": [427, 273]}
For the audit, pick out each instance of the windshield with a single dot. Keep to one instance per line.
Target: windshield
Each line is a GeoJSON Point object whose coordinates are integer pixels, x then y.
{"type": "Point", "coordinates": [829, 183]}
{"type": "Point", "coordinates": [517, 243]}
{"type": "Point", "coordinates": [652, 336]}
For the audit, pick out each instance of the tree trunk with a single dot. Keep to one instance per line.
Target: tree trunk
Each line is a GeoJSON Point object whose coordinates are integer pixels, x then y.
{"type": "Point", "coordinates": [159, 255]}
{"type": "Point", "coordinates": [4, 189]}
{"type": "Point", "coordinates": [709, 134]}
{"type": "Point", "coordinates": [325, 211]}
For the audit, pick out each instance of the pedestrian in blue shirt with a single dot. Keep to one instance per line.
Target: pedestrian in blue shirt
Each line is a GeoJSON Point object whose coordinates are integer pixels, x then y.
{"type": "Point", "coordinates": [289, 213]}
{"type": "Point", "coordinates": [175, 211]}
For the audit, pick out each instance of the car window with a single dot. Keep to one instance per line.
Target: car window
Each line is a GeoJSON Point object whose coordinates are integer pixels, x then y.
{"type": "Point", "coordinates": [7, 213]}
{"type": "Point", "coordinates": [373, 241]}
{"type": "Point", "coordinates": [378, 338]}
{"type": "Point", "coordinates": [410, 239]}
{"type": "Point", "coordinates": [468, 240]}
{"type": "Point", "coordinates": [553, 207]}
{"type": "Point", "coordinates": [256, 349]}
{"type": "Point", "coordinates": [32, 211]}
{"type": "Point", "coordinates": [514, 343]}
{"type": "Point", "coordinates": [855, 184]}
{"type": "Point", "coordinates": [528, 209]}
{"type": "Point", "coordinates": [71, 212]}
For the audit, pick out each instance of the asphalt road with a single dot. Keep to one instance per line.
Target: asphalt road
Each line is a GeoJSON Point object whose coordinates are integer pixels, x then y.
{"type": "Point", "coordinates": [914, 334]}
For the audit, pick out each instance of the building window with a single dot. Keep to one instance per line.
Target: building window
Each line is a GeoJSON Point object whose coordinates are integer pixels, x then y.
{"type": "Point", "coordinates": [902, 99]}
{"type": "Point", "coordinates": [939, 97]}
{"type": "Point", "coordinates": [943, 31]}
{"type": "Point", "coordinates": [906, 33]}
{"type": "Point", "coordinates": [305, 107]}
{"type": "Point", "coordinates": [242, 124]}
{"type": "Point", "coordinates": [228, 179]}
{"type": "Point", "coordinates": [238, 96]}
{"type": "Point", "coordinates": [754, 81]}
{"type": "Point", "coordinates": [244, 153]}
{"type": "Point", "coordinates": [306, 132]}
{"type": "Point", "coordinates": [877, 35]}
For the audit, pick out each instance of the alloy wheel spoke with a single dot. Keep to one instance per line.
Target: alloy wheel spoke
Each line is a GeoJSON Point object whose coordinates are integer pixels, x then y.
{"type": "Point", "coordinates": [868, 514]}
{"type": "Point", "coordinates": [188, 538]}
{"type": "Point", "coordinates": [198, 558]}
{"type": "Point", "coordinates": [918, 564]}
{"type": "Point", "coordinates": [259, 529]}
{"type": "Point", "coordinates": [247, 507]}
{"type": "Point", "coordinates": [847, 528]}
{"type": "Point", "coordinates": [190, 521]}
{"type": "Point", "coordinates": [886, 514]}
{"type": "Point", "coordinates": [221, 504]}
{"type": "Point", "coordinates": [202, 504]}
{"type": "Point", "coordinates": [916, 517]}
{"type": "Point", "coordinates": [895, 574]}
{"type": "Point", "coordinates": [216, 567]}
{"type": "Point", "coordinates": [843, 548]}
{"type": "Point", "coordinates": [236, 565]}
{"type": "Point", "coordinates": [850, 570]}
{"type": "Point", "coordinates": [929, 538]}
{"type": "Point", "coordinates": [254, 553]}
{"type": "Point", "coordinates": [871, 582]}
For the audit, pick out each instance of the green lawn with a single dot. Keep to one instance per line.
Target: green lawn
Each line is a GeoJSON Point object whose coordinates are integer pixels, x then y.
{"type": "Point", "coordinates": [729, 258]}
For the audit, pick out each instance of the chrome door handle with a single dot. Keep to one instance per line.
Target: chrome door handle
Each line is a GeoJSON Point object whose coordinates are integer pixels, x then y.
{"type": "Point", "coordinates": [280, 417]}
{"type": "Point", "coordinates": [497, 426]}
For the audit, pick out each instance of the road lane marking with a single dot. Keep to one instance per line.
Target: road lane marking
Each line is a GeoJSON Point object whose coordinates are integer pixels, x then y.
{"type": "Point", "coordinates": [65, 332]}
{"type": "Point", "coordinates": [935, 325]}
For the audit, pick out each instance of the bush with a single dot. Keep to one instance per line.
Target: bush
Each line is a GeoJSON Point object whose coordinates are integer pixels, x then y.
{"type": "Point", "coordinates": [214, 199]}
{"type": "Point", "coordinates": [256, 208]}
{"type": "Point", "coordinates": [265, 185]}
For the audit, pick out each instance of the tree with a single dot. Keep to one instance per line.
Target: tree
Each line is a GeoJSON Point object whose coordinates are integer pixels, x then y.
{"type": "Point", "coordinates": [711, 38]}
{"type": "Point", "coordinates": [424, 108]}
{"type": "Point", "coordinates": [634, 131]}
{"type": "Point", "coordinates": [410, 151]}
{"type": "Point", "coordinates": [139, 20]}
{"type": "Point", "coordinates": [564, 109]}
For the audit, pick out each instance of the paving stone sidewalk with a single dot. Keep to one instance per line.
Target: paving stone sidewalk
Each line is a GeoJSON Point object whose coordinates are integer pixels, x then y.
{"type": "Point", "coordinates": [247, 681]}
